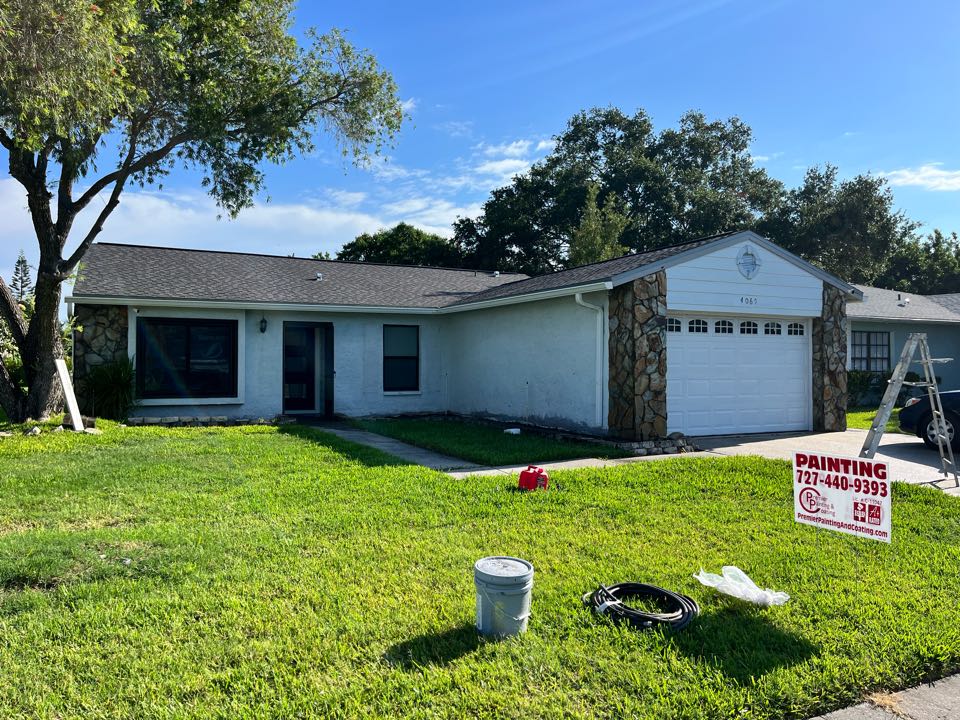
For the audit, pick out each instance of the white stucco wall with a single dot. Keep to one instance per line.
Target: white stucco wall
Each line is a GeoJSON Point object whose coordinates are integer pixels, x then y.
{"type": "Point", "coordinates": [358, 362]}
{"type": "Point", "coordinates": [532, 361]}
{"type": "Point", "coordinates": [714, 283]}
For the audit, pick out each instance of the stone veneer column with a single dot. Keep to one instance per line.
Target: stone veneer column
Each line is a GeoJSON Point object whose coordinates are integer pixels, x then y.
{"type": "Point", "coordinates": [638, 359]}
{"type": "Point", "coordinates": [101, 337]}
{"type": "Point", "coordinates": [830, 363]}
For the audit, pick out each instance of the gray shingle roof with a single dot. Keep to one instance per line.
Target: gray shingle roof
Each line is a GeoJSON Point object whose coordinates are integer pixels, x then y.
{"type": "Point", "coordinates": [142, 272]}
{"type": "Point", "coordinates": [891, 305]}
{"type": "Point", "coordinates": [586, 274]}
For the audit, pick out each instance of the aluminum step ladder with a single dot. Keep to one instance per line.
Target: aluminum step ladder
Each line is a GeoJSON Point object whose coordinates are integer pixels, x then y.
{"type": "Point", "coordinates": [914, 342]}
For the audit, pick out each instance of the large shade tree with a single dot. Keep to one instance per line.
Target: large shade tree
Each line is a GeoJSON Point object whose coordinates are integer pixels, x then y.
{"type": "Point", "coordinates": [95, 96]}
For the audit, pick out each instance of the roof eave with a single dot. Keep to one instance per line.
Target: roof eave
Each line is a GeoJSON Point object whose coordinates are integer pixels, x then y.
{"type": "Point", "coordinates": [849, 290]}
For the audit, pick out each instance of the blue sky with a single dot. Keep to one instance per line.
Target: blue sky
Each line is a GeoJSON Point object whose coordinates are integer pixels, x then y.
{"type": "Point", "coordinates": [868, 86]}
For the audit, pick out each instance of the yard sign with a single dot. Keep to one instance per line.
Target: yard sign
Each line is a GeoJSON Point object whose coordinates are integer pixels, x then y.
{"type": "Point", "coordinates": [850, 495]}
{"type": "Point", "coordinates": [72, 407]}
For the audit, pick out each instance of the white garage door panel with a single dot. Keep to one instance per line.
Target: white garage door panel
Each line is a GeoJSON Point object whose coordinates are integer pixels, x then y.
{"type": "Point", "coordinates": [732, 383]}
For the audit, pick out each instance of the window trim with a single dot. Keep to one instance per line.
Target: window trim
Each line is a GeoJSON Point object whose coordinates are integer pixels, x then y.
{"type": "Point", "coordinates": [383, 351]}
{"type": "Point", "coordinates": [752, 324]}
{"type": "Point", "coordinates": [869, 345]}
{"type": "Point", "coordinates": [796, 329]}
{"type": "Point", "coordinates": [727, 325]}
{"type": "Point", "coordinates": [674, 325]}
{"type": "Point", "coordinates": [187, 323]}
{"type": "Point", "coordinates": [772, 328]}
{"type": "Point", "coordinates": [240, 316]}
{"type": "Point", "coordinates": [703, 327]}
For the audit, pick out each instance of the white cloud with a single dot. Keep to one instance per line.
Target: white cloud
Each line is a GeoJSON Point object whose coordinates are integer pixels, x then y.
{"type": "Point", "coordinates": [929, 177]}
{"type": "Point", "coordinates": [545, 145]}
{"type": "Point", "coordinates": [505, 168]}
{"type": "Point", "coordinates": [456, 128]}
{"type": "Point", "coordinates": [346, 198]}
{"type": "Point", "coordinates": [515, 149]}
{"type": "Point", "coordinates": [409, 105]}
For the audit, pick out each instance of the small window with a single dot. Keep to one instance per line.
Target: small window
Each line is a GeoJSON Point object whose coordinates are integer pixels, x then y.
{"type": "Point", "coordinates": [772, 328]}
{"type": "Point", "coordinates": [698, 326]}
{"type": "Point", "coordinates": [795, 329]}
{"type": "Point", "coordinates": [401, 358]}
{"type": "Point", "coordinates": [748, 327]}
{"type": "Point", "coordinates": [723, 327]}
{"type": "Point", "coordinates": [674, 325]}
{"type": "Point", "coordinates": [870, 351]}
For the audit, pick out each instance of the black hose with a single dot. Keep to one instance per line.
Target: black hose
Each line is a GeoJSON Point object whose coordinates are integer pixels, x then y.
{"type": "Point", "coordinates": [608, 600]}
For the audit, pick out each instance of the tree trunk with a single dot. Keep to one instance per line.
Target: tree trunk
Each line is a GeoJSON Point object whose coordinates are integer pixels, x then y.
{"type": "Point", "coordinates": [44, 345]}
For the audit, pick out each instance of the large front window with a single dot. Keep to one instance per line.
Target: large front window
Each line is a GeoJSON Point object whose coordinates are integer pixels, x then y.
{"type": "Point", "coordinates": [184, 358]}
{"type": "Point", "coordinates": [401, 358]}
{"type": "Point", "coordinates": [870, 351]}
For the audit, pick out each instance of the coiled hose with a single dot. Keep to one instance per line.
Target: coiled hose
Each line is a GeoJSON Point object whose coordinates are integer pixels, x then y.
{"type": "Point", "coordinates": [608, 600]}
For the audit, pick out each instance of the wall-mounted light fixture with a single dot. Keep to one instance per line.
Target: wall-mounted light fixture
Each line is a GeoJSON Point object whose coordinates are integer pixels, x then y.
{"type": "Point", "coordinates": [263, 325]}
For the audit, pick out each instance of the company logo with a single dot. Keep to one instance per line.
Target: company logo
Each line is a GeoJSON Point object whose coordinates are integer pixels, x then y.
{"type": "Point", "coordinates": [810, 500]}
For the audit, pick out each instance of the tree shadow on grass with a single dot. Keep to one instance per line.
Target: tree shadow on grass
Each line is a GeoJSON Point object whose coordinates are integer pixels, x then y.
{"type": "Point", "coordinates": [743, 643]}
{"type": "Point", "coordinates": [437, 648]}
{"type": "Point", "coordinates": [367, 456]}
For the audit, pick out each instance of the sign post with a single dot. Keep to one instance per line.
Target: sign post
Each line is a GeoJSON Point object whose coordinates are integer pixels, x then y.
{"type": "Point", "coordinates": [68, 393]}
{"type": "Point", "coordinates": [849, 495]}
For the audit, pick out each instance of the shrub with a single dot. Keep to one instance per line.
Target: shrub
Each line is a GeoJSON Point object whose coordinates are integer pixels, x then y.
{"type": "Point", "coordinates": [867, 388]}
{"type": "Point", "coordinates": [109, 390]}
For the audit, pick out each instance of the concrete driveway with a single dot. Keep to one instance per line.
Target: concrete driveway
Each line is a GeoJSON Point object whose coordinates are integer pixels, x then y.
{"type": "Point", "coordinates": [908, 458]}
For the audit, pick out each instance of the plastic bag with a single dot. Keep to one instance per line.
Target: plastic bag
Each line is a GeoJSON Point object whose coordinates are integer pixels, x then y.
{"type": "Point", "coordinates": [736, 583]}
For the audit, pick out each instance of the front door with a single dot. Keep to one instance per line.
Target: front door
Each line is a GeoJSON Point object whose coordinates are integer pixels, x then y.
{"type": "Point", "coordinates": [299, 368]}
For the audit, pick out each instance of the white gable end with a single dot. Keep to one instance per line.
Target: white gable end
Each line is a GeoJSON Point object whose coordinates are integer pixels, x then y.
{"type": "Point", "coordinates": [746, 279]}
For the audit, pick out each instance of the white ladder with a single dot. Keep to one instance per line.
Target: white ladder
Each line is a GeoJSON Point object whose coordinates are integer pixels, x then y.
{"type": "Point", "coordinates": [898, 379]}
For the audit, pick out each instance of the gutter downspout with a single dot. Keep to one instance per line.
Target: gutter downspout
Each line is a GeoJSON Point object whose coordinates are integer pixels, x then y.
{"type": "Point", "coordinates": [598, 309]}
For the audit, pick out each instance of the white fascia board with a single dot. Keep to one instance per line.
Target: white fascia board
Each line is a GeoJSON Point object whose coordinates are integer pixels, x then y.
{"type": "Point", "coordinates": [603, 285]}
{"type": "Point", "coordinates": [302, 307]}
{"type": "Point", "coordinates": [906, 321]}
{"type": "Point", "coordinates": [747, 235]}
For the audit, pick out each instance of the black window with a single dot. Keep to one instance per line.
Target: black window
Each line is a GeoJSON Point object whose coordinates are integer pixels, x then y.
{"type": "Point", "coordinates": [698, 326]}
{"type": "Point", "coordinates": [183, 358]}
{"type": "Point", "coordinates": [723, 327]}
{"type": "Point", "coordinates": [870, 351]}
{"type": "Point", "coordinates": [401, 358]}
{"type": "Point", "coordinates": [772, 328]}
{"type": "Point", "coordinates": [748, 327]}
{"type": "Point", "coordinates": [795, 329]}
{"type": "Point", "coordinates": [674, 325]}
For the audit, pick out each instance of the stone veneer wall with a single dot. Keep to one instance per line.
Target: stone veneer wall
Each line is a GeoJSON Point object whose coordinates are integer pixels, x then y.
{"type": "Point", "coordinates": [638, 359]}
{"type": "Point", "coordinates": [830, 363]}
{"type": "Point", "coordinates": [101, 337]}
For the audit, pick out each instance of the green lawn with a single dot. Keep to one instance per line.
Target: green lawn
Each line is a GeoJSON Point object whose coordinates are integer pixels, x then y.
{"type": "Point", "coordinates": [253, 572]}
{"type": "Point", "coordinates": [486, 444]}
{"type": "Point", "coordinates": [862, 418]}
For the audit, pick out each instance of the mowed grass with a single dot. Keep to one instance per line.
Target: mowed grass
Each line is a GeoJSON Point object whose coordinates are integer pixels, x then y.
{"type": "Point", "coordinates": [265, 572]}
{"type": "Point", "coordinates": [861, 418]}
{"type": "Point", "coordinates": [486, 444]}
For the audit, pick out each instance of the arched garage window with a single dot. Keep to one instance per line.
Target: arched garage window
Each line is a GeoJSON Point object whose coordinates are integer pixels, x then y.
{"type": "Point", "coordinates": [674, 325]}
{"type": "Point", "coordinates": [723, 327]}
{"type": "Point", "coordinates": [748, 327]}
{"type": "Point", "coordinates": [795, 329]}
{"type": "Point", "coordinates": [772, 328]}
{"type": "Point", "coordinates": [698, 326]}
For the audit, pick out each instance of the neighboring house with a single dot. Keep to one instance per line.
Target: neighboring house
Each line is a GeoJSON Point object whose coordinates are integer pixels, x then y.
{"type": "Point", "coordinates": [727, 334]}
{"type": "Point", "coordinates": [879, 326]}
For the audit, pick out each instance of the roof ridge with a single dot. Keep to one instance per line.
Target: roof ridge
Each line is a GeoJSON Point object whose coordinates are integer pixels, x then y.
{"type": "Point", "coordinates": [312, 259]}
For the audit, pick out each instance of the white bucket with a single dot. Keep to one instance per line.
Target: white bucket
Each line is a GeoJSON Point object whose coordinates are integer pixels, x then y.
{"type": "Point", "coordinates": [503, 595]}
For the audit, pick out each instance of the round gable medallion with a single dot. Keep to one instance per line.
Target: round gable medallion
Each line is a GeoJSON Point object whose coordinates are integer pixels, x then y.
{"type": "Point", "coordinates": [748, 262]}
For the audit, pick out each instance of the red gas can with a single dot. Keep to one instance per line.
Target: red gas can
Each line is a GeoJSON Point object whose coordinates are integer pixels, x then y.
{"type": "Point", "coordinates": [533, 478]}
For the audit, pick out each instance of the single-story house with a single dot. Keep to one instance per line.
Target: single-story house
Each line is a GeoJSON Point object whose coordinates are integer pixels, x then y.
{"type": "Point", "coordinates": [880, 324]}
{"type": "Point", "coordinates": [725, 334]}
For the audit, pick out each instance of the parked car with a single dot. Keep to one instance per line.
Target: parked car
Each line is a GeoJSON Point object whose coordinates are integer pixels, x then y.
{"type": "Point", "coordinates": [916, 417]}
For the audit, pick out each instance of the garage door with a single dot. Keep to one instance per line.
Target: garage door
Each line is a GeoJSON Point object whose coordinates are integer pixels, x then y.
{"type": "Point", "coordinates": [729, 375]}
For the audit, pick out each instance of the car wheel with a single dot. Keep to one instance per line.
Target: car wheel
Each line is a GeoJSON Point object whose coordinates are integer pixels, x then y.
{"type": "Point", "coordinates": [929, 433]}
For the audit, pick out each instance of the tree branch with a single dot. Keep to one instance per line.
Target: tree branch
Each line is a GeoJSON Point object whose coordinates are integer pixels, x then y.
{"type": "Point", "coordinates": [11, 314]}
{"type": "Point", "coordinates": [130, 167]}
{"type": "Point", "coordinates": [65, 267]}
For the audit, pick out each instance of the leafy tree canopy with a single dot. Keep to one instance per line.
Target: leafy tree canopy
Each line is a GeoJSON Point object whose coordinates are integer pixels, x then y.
{"type": "Point", "coordinates": [96, 95]}
{"type": "Point", "coordinates": [597, 237]}
{"type": "Point", "coordinates": [927, 266]}
{"type": "Point", "coordinates": [402, 244]}
{"type": "Point", "coordinates": [693, 180]}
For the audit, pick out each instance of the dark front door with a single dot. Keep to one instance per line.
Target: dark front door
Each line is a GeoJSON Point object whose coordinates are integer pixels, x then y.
{"type": "Point", "coordinates": [299, 368]}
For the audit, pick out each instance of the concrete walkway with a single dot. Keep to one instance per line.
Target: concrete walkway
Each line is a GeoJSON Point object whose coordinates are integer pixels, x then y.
{"type": "Point", "coordinates": [410, 453]}
{"type": "Point", "coordinates": [939, 700]}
